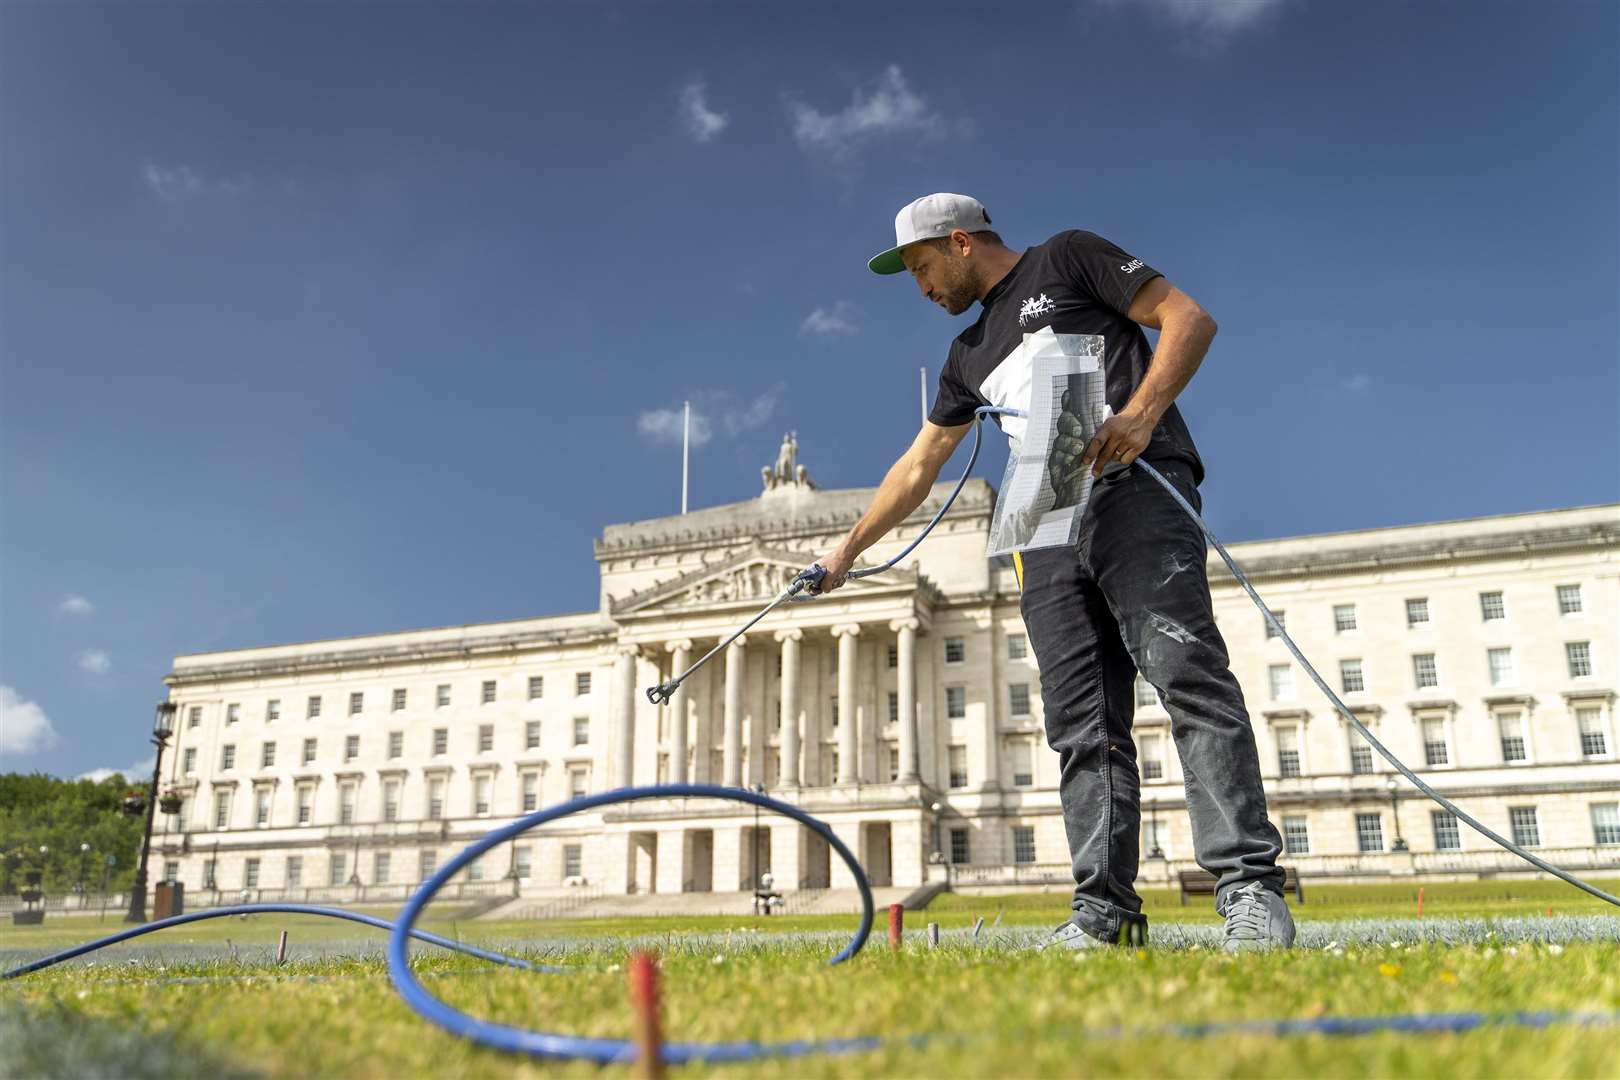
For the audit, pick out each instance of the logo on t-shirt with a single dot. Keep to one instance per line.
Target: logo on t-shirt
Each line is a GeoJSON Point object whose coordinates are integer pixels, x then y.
{"type": "Point", "coordinates": [1131, 267]}
{"type": "Point", "coordinates": [1034, 308]}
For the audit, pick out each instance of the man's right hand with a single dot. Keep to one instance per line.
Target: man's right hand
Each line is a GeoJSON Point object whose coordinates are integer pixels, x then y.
{"type": "Point", "coordinates": [837, 566]}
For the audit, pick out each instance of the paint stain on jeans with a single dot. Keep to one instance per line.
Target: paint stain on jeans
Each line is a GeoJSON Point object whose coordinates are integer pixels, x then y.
{"type": "Point", "coordinates": [1172, 629]}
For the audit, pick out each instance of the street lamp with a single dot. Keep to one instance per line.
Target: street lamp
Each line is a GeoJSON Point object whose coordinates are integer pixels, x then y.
{"type": "Point", "coordinates": [757, 789]}
{"type": "Point", "coordinates": [84, 856]}
{"type": "Point", "coordinates": [162, 728]}
{"type": "Point", "coordinates": [1153, 824]}
{"type": "Point", "coordinates": [1394, 786]}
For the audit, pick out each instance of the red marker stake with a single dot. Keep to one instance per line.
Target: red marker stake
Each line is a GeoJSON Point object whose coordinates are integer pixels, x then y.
{"type": "Point", "coordinates": [1420, 901]}
{"type": "Point", "coordinates": [643, 972]}
{"type": "Point", "coordinates": [897, 922]}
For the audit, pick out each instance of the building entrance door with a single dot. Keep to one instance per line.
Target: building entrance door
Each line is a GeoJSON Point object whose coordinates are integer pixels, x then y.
{"type": "Point", "coordinates": [701, 861]}
{"type": "Point", "coordinates": [876, 853]}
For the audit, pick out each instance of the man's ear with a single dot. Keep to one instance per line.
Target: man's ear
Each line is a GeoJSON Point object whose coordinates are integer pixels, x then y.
{"type": "Point", "coordinates": [963, 241]}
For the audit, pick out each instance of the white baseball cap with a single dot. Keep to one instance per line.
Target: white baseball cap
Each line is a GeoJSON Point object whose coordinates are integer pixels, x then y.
{"type": "Point", "coordinates": [934, 215]}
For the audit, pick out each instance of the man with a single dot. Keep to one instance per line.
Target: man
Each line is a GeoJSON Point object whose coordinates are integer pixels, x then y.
{"type": "Point", "coordinates": [1131, 595]}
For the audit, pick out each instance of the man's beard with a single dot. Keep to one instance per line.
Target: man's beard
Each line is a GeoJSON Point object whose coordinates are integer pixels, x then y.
{"type": "Point", "coordinates": [961, 288]}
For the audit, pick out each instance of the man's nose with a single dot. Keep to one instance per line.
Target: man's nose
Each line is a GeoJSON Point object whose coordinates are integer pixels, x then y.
{"type": "Point", "coordinates": [922, 287]}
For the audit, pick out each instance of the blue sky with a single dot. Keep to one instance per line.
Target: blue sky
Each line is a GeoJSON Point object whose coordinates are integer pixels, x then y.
{"type": "Point", "coordinates": [320, 320]}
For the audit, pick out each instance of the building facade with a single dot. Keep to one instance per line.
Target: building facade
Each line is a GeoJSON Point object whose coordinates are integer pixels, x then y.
{"type": "Point", "coordinates": [905, 711]}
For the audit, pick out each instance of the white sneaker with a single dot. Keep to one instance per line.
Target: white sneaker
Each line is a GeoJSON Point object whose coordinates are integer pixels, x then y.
{"type": "Point", "coordinates": [1256, 919]}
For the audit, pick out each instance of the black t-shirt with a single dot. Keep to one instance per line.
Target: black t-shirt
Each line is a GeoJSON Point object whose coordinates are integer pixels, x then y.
{"type": "Point", "coordinates": [1076, 283]}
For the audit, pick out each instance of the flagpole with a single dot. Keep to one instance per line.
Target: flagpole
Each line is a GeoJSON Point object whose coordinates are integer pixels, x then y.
{"type": "Point", "coordinates": [686, 442]}
{"type": "Point", "coordinates": [922, 388]}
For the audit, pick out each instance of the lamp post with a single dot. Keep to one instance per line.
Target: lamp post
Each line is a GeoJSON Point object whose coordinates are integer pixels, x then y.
{"type": "Point", "coordinates": [1395, 812]}
{"type": "Point", "coordinates": [1153, 819]}
{"type": "Point", "coordinates": [162, 728]}
{"type": "Point", "coordinates": [757, 789]}
{"type": "Point", "coordinates": [84, 857]}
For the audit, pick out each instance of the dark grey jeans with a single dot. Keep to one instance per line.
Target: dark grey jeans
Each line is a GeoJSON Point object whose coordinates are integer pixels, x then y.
{"type": "Point", "coordinates": [1132, 596]}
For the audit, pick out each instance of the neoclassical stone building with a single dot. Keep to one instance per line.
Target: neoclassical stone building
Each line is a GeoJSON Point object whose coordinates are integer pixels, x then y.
{"type": "Point", "coordinates": [904, 710]}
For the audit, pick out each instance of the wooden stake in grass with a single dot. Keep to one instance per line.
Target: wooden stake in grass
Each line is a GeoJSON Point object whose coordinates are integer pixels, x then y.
{"type": "Point", "coordinates": [643, 971]}
{"type": "Point", "coordinates": [933, 935]}
{"type": "Point", "coordinates": [1420, 901]}
{"type": "Point", "coordinates": [281, 948]}
{"type": "Point", "coordinates": [978, 924]}
{"type": "Point", "coordinates": [897, 922]}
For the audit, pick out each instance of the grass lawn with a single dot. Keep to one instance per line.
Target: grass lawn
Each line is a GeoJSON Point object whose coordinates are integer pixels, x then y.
{"type": "Point", "coordinates": [988, 1006]}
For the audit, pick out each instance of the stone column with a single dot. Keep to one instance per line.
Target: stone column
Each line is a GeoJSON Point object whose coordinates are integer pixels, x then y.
{"type": "Point", "coordinates": [790, 706]}
{"type": "Point", "coordinates": [907, 649]}
{"type": "Point", "coordinates": [736, 667]}
{"type": "Point", "coordinates": [624, 715]}
{"type": "Point", "coordinates": [848, 710]}
{"type": "Point", "coordinates": [680, 659]}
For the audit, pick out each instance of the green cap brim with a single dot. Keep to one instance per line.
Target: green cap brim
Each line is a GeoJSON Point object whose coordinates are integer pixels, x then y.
{"type": "Point", "coordinates": [887, 262]}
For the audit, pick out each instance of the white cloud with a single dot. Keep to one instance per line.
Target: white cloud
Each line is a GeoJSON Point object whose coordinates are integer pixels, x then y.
{"type": "Point", "coordinates": [701, 122]}
{"type": "Point", "coordinates": [130, 772]}
{"type": "Point", "coordinates": [95, 661]}
{"type": "Point", "coordinates": [172, 183]}
{"type": "Point", "coordinates": [1358, 383]}
{"type": "Point", "coordinates": [712, 411]}
{"type": "Point", "coordinates": [1211, 20]}
{"type": "Point", "coordinates": [75, 604]}
{"type": "Point", "coordinates": [891, 108]}
{"type": "Point", "coordinates": [829, 322]}
{"type": "Point", "coordinates": [24, 727]}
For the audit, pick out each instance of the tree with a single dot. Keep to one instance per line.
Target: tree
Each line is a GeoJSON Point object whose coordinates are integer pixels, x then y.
{"type": "Point", "coordinates": [38, 810]}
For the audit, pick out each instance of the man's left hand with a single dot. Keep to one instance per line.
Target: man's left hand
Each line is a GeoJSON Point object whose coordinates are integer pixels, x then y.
{"type": "Point", "coordinates": [1120, 439]}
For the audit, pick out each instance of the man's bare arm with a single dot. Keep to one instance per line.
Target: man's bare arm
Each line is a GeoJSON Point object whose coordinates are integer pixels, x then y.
{"type": "Point", "coordinates": [902, 491]}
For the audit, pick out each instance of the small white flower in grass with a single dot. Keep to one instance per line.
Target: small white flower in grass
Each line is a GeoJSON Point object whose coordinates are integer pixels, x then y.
{"type": "Point", "coordinates": [1512, 950]}
{"type": "Point", "coordinates": [1489, 953]}
{"type": "Point", "coordinates": [718, 960]}
{"type": "Point", "coordinates": [1556, 950]}
{"type": "Point", "coordinates": [612, 968]}
{"type": "Point", "coordinates": [83, 994]}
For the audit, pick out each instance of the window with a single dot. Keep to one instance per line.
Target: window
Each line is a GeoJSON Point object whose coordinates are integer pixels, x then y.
{"type": "Point", "coordinates": [1023, 843]}
{"type": "Point", "coordinates": [233, 713]}
{"type": "Point", "coordinates": [427, 862]}
{"type": "Point", "coordinates": [351, 747]}
{"type": "Point", "coordinates": [306, 804]}
{"type": "Point", "coordinates": [250, 874]}
{"type": "Point", "coordinates": [531, 792]}
{"type": "Point", "coordinates": [1153, 756]}
{"type": "Point", "coordinates": [272, 710]}
{"type": "Point", "coordinates": [1424, 672]}
{"type": "Point", "coordinates": [189, 758]}
{"type": "Point", "coordinates": [435, 799]}
{"type": "Point", "coordinates": [572, 862]}
{"type": "Point", "coordinates": [958, 767]}
{"type": "Point", "coordinates": [1361, 754]}
{"type": "Point", "coordinates": [1578, 654]}
{"type": "Point", "coordinates": [1369, 832]}
{"type": "Point", "coordinates": [1351, 680]}
{"type": "Point", "coordinates": [1146, 696]}
{"type": "Point", "coordinates": [1491, 606]}
{"type": "Point", "coordinates": [891, 754]}
{"type": "Point", "coordinates": [1500, 663]}
{"type": "Point", "coordinates": [381, 863]}
{"type": "Point", "coordinates": [1023, 763]}
{"type": "Point", "coordinates": [1526, 831]}
{"type": "Point", "coordinates": [959, 846]}
{"type": "Point", "coordinates": [486, 694]}
{"type": "Point", "coordinates": [1288, 756]}
{"type": "Point", "coordinates": [1280, 677]}
{"type": "Point", "coordinates": [894, 709]}
{"type": "Point", "coordinates": [209, 880]}
{"type": "Point", "coordinates": [194, 716]}
{"type": "Point", "coordinates": [955, 702]}
{"type": "Point", "coordinates": [312, 707]}
{"type": "Point", "coordinates": [522, 863]}
{"type": "Point", "coordinates": [1018, 699]}
{"type": "Point", "coordinates": [537, 688]}
{"type": "Point", "coordinates": [486, 738]}
{"type": "Point", "coordinates": [582, 730]}
{"type": "Point", "coordinates": [1017, 646]}
{"type": "Point", "coordinates": [399, 700]}
{"type": "Point", "coordinates": [893, 658]}
{"type": "Point", "coordinates": [295, 871]}
{"type": "Point", "coordinates": [1435, 750]}
{"type": "Point", "coordinates": [222, 809]}
{"type": "Point", "coordinates": [267, 755]}
{"type": "Point", "coordinates": [227, 757]}
{"type": "Point", "coordinates": [1569, 600]}
{"type": "Point", "coordinates": [1446, 835]}
{"type": "Point", "coordinates": [1417, 612]}
{"type": "Point", "coordinates": [261, 807]}
{"type": "Point", "coordinates": [832, 705]}
{"type": "Point", "coordinates": [441, 696]}
{"type": "Point", "coordinates": [441, 741]}
{"type": "Point", "coordinates": [1594, 740]}
{"type": "Point", "coordinates": [357, 702]}
{"type": "Point", "coordinates": [396, 744]}
{"type": "Point", "coordinates": [579, 781]}
{"type": "Point", "coordinates": [1281, 618]}
{"type": "Point", "coordinates": [310, 746]}
{"type": "Point", "coordinates": [1344, 618]}
{"type": "Point", "coordinates": [338, 868]}
{"type": "Point", "coordinates": [1606, 824]}
{"type": "Point", "coordinates": [582, 684]}
{"type": "Point", "coordinates": [1296, 835]}
{"type": "Point", "coordinates": [390, 806]}
{"type": "Point", "coordinates": [955, 650]}
{"type": "Point", "coordinates": [346, 794]}
{"type": "Point", "coordinates": [171, 870]}
{"type": "Point", "coordinates": [1510, 725]}
{"type": "Point", "coordinates": [531, 735]}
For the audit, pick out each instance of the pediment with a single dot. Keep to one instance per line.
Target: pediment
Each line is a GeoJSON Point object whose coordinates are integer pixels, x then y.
{"type": "Point", "coordinates": [755, 577]}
